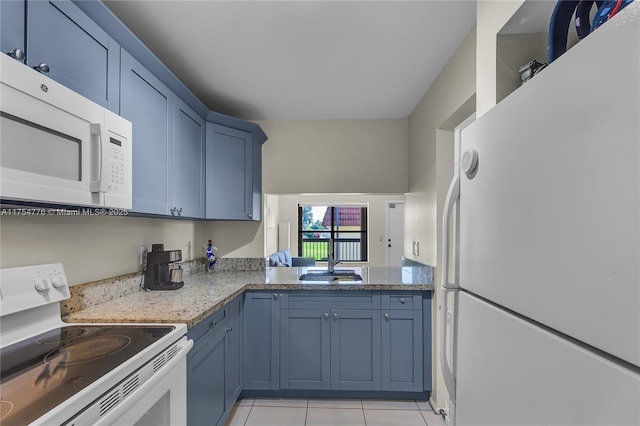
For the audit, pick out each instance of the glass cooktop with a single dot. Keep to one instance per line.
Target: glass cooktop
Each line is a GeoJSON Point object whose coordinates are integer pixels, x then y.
{"type": "Point", "coordinates": [39, 373]}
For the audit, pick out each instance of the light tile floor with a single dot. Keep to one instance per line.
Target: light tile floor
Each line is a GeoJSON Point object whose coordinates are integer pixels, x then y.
{"type": "Point", "coordinates": [332, 412]}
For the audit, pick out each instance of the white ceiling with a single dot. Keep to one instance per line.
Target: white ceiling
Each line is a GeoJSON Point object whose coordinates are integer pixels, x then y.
{"type": "Point", "coordinates": [260, 60]}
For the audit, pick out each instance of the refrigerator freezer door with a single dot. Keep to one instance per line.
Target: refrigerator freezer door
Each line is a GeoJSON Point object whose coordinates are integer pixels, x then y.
{"type": "Point", "coordinates": [550, 219]}
{"type": "Point", "coordinates": [511, 372]}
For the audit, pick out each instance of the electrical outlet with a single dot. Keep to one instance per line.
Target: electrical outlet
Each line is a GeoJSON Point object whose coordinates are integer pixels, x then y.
{"type": "Point", "coordinates": [143, 254]}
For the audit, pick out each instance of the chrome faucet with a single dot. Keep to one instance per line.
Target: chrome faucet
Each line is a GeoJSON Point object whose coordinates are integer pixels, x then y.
{"type": "Point", "coordinates": [331, 263]}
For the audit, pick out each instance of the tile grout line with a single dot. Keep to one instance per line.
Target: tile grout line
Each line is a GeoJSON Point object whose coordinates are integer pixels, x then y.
{"type": "Point", "coordinates": [250, 409]}
{"type": "Point", "coordinates": [363, 415]}
{"type": "Point", "coordinates": [424, 418]}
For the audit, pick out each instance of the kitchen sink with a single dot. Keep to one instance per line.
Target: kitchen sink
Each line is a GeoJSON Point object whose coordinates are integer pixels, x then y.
{"type": "Point", "coordinates": [323, 275]}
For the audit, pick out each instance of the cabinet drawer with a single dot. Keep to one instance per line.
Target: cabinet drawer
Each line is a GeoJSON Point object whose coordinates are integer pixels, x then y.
{"type": "Point", "coordinates": [410, 300]}
{"type": "Point", "coordinates": [214, 321]}
{"type": "Point", "coordinates": [331, 299]}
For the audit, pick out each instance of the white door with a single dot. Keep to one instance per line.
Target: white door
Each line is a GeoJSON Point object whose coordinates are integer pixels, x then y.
{"type": "Point", "coordinates": [395, 233]}
{"type": "Point", "coordinates": [550, 220]}
{"type": "Point", "coordinates": [511, 372]}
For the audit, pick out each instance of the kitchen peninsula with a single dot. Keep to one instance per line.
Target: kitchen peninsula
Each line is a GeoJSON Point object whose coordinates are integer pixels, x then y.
{"type": "Point", "coordinates": [204, 293]}
{"type": "Point", "coordinates": [267, 333]}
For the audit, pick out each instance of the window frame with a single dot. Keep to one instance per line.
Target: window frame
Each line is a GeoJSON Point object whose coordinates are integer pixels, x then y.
{"type": "Point", "coordinates": [363, 232]}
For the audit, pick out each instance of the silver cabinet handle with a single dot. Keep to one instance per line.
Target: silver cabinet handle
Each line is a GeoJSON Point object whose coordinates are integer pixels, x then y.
{"type": "Point", "coordinates": [17, 54]}
{"type": "Point", "coordinates": [335, 316]}
{"type": "Point", "coordinates": [229, 329]}
{"type": "Point", "coordinates": [275, 296]}
{"type": "Point", "coordinates": [250, 216]}
{"type": "Point", "coordinates": [42, 67]}
{"type": "Point", "coordinates": [386, 316]}
{"type": "Point", "coordinates": [326, 315]}
{"type": "Point", "coordinates": [402, 300]}
{"type": "Point", "coordinates": [180, 211]}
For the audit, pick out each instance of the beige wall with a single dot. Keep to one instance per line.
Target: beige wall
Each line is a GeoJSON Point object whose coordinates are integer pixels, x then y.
{"type": "Point", "coordinates": [376, 219]}
{"type": "Point", "coordinates": [236, 238]}
{"type": "Point", "coordinates": [448, 102]}
{"type": "Point", "coordinates": [335, 156]}
{"type": "Point", "coordinates": [90, 247]}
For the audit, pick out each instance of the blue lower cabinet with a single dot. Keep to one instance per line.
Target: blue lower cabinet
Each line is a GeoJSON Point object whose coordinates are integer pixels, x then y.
{"type": "Point", "coordinates": [402, 357]}
{"type": "Point", "coordinates": [330, 349]}
{"type": "Point", "coordinates": [214, 370]}
{"type": "Point", "coordinates": [305, 352]}
{"type": "Point", "coordinates": [261, 341]}
{"type": "Point", "coordinates": [426, 340]}
{"type": "Point", "coordinates": [233, 361]}
{"type": "Point", "coordinates": [206, 379]}
{"type": "Point", "coordinates": [355, 349]}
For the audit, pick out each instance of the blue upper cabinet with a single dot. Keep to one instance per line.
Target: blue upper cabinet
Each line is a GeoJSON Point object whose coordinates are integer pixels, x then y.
{"type": "Point", "coordinates": [188, 158]}
{"type": "Point", "coordinates": [149, 105]}
{"type": "Point", "coordinates": [229, 173]}
{"type": "Point", "coordinates": [168, 148]}
{"type": "Point", "coordinates": [12, 28]}
{"type": "Point", "coordinates": [78, 53]}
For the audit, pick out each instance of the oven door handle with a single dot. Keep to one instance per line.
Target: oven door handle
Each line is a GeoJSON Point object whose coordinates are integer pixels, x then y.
{"type": "Point", "coordinates": [131, 400]}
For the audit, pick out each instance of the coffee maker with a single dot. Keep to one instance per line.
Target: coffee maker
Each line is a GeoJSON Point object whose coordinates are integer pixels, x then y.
{"type": "Point", "coordinates": [158, 275]}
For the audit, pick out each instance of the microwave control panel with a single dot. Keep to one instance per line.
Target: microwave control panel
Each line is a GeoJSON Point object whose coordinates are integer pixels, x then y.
{"type": "Point", "coordinates": [117, 160]}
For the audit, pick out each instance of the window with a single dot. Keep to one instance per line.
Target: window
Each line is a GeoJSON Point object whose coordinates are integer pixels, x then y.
{"type": "Point", "coordinates": [345, 225]}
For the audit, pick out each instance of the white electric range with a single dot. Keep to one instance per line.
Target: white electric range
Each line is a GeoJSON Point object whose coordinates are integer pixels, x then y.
{"type": "Point", "coordinates": [83, 374]}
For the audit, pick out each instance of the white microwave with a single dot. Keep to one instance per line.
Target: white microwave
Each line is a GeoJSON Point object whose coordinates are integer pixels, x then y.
{"type": "Point", "coordinates": [58, 147]}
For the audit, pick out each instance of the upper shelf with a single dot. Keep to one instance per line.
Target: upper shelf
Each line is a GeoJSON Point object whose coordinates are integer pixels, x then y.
{"type": "Point", "coordinates": [522, 39]}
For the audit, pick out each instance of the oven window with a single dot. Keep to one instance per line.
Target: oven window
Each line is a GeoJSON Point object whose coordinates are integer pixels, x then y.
{"type": "Point", "coordinates": [29, 147]}
{"type": "Point", "coordinates": [159, 414]}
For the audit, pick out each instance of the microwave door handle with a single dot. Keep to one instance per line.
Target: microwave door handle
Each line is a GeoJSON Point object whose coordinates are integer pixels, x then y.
{"type": "Point", "coordinates": [99, 156]}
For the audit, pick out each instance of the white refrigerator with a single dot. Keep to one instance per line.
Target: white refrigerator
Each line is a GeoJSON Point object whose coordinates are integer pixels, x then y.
{"type": "Point", "coordinates": [544, 219]}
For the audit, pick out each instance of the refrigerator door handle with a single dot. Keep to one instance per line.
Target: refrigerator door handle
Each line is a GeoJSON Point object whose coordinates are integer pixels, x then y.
{"type": "Point", "coordinates": [452, 196]}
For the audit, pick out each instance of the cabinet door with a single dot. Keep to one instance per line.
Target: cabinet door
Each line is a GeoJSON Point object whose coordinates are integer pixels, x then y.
{"type": "Point", "coordinates": [256, 168]}
{"type": "Point", "coordinates": [205, 380]}
{"type": "Point", "coordinates": [426, 340]}
{"type": "Point", "coordinates": [188, 160]}
{"type": "Point", "coordinates": [149, 105]}
{"type": "Point", "coordinates": [233, 373]}
{"type": "Point", "coordinates": [402, 350]}
{"type": "Point", "coordinates": [355, 349]}
{"type": "Point", "coordinates": [261, 341]}
{"type": "Point", "coordinates": [305, 349]}
{"type": "Point", "coordinates": [229, 180]}
{"type": "Point", "coordinates": [12, 29]}
{"type": "Point", "coordinates": [80, 55]}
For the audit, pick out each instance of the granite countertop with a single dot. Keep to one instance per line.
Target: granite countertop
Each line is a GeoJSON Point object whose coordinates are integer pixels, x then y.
{"type": "Point", "coordinates": [204, 293]}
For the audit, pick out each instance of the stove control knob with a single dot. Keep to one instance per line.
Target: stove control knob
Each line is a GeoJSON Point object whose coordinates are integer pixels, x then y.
{"type": "Point", "coordinates": [43, 284]}
{"type": "Point", "coordinates": [58, 282]}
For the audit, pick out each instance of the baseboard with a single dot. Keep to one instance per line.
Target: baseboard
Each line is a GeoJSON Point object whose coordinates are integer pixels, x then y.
{"type": "Point", "coordinates": [291, 393]}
